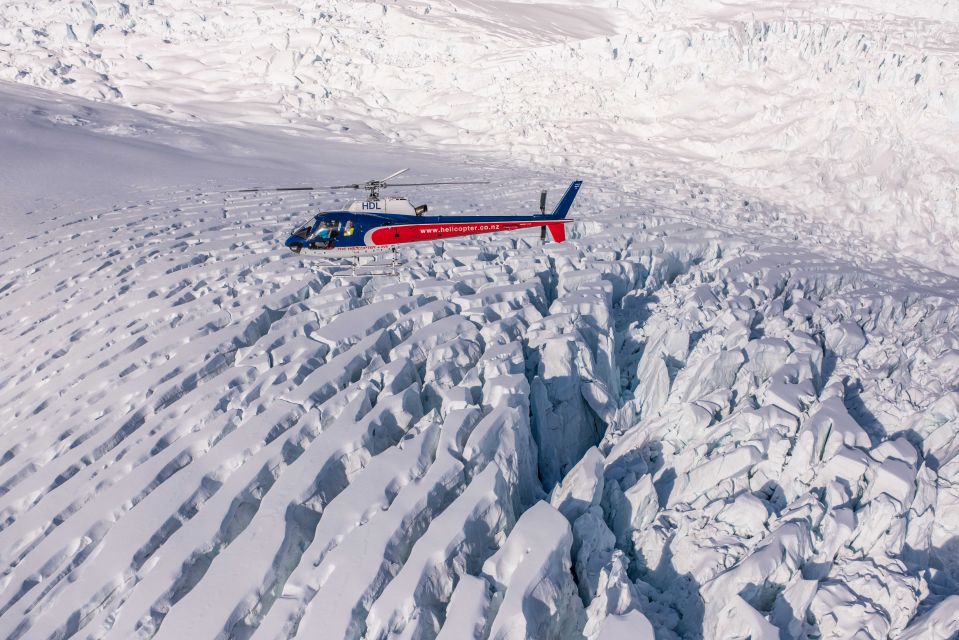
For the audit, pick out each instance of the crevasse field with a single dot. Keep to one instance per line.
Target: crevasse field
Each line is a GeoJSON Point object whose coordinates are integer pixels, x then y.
{"type": "Point", "coordinates": [726, 408]}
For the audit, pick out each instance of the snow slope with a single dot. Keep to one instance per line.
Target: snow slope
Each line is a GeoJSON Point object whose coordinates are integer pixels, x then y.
{"type": "Point", "coordinates": [67, 152]}
{"type": "Point", "coordinates": [661, 426]}
{"type": "Point", "coordinates": [840, 112]}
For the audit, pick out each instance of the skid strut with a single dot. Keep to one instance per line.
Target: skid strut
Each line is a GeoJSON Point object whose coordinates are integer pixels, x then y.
{"type": "Point", "coordinates": [358, 268]}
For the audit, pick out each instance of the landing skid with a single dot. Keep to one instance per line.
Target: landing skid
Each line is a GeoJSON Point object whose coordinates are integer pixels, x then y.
{"type": "Point", "coordinates": [371, 268]}
{"type": "Point", "coordinates": [357, 269]}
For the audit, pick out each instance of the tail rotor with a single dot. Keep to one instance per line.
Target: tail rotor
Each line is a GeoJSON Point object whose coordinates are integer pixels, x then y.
{"type": "Point", "coordinates": [542, 210]}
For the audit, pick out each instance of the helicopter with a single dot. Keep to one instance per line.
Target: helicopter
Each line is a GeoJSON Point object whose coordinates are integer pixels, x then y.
{"type": "Point", "coordinates": [376, 224]}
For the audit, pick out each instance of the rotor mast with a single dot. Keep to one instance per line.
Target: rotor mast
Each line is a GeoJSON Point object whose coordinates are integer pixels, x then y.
{"type": "Point", "coordinates": [374, 186]}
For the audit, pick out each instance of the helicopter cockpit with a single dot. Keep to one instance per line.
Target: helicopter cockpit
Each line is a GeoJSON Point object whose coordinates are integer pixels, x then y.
{"type": "Point", "coordinates": [322, 231]}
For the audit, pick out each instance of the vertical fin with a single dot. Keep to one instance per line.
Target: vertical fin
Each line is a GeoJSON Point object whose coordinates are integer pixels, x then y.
{"type": "Point", "coordinates": [558, 231]}
{"type": "Point", "coordinates": [563, 207]}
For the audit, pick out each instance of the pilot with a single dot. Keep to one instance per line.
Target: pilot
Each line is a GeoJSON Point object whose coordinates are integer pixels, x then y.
{"type": "Point", "coordinates": [324, 232]}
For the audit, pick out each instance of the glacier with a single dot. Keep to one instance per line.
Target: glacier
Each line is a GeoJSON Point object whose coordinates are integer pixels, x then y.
{"type": "Point", "coordinates": [727, 407]}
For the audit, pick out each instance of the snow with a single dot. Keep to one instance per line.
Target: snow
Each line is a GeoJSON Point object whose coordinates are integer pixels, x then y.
{"type": "Point", "coordinates": [628, 625]}
{"type": "Point", "coordinates": [938, 622]}
{"type": "Point", "coordinates": [530, 575]}
{"type": "Point", "coordinates": [581, 488]}
{"type": "Point", "coordinates": [726, 407]}
{"type": "Point", "coordinates": [466, 613]}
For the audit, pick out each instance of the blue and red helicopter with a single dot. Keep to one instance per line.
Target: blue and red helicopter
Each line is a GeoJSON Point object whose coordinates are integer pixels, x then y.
{"type": "Point", "coordinates": [382, 224]}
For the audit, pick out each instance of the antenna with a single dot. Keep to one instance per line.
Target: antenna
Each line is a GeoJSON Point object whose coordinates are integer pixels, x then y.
{"type": "Point", "coordinates": [542, 210]}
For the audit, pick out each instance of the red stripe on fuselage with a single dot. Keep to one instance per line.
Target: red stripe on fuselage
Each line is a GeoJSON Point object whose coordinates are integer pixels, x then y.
{"type": "Point", "coordinates": [404, 233]}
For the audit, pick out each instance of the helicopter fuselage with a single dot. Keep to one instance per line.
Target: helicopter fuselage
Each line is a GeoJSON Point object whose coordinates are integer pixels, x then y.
{"type": "Point", "coordinates": [377, 226]}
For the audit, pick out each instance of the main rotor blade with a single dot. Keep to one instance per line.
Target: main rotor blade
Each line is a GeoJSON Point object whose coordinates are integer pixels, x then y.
{"type": "Point", "coordinates": [277, 189]}
{"type": "Point", "coordinates": [255, 189]}
{"type": "Point", "coordinates": [423, 184]}
{"type": "Point", "coordinates": [392, 175]}
{"type": "Point", "coordinates": [382, 183]}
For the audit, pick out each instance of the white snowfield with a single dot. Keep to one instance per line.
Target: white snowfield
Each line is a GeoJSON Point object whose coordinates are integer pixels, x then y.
{"type": "Point", "coordinates": [713, 413]}
{"type": "Point", "coordinates": [844, 114]}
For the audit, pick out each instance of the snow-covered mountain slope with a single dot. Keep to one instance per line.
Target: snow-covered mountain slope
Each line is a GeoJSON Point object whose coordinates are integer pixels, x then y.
{"type": "Point", "coordinates": [67, 153]}
{"type": "Point", "coordinates": [842, 112]}
{"type": "Point", "coordinates": [672, 424]}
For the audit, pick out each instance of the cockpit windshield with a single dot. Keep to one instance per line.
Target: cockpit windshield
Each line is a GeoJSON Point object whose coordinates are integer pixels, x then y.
{"type": "Point", "coordinates": [303, 231]}
{"type": "Point", "coordinates": [304, 228]}
{"type": "Point", "coordinates": [319, 232]}
{"type": "Point", "coordinates": [311, 226]}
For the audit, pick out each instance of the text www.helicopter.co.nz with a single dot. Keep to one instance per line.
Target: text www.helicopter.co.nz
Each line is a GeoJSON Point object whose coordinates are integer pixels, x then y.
{"type": "Point", "coordinates": [463, 228]}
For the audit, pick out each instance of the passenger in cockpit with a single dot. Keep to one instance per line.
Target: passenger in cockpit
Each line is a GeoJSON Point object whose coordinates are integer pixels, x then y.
{"type": "Point", "coordinates": [325, 233]}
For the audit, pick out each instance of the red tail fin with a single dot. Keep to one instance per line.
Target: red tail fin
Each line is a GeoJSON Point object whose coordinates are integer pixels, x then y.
{"type": "Point", "coordinates": [557, 231]}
